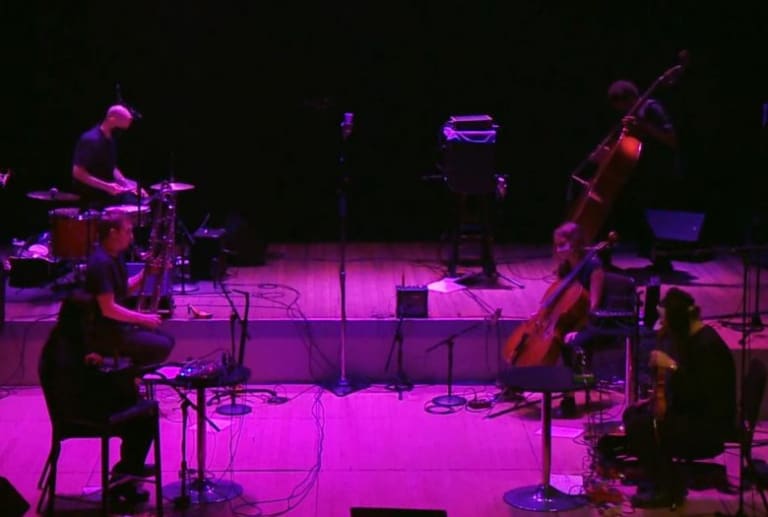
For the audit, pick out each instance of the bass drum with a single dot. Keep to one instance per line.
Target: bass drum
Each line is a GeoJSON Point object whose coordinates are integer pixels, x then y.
{"type": "Point", "coordinates": [73, 234]}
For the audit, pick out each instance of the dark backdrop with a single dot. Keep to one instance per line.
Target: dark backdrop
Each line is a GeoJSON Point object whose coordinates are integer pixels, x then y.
{"type": "Point", "coordinates": [244, 99]}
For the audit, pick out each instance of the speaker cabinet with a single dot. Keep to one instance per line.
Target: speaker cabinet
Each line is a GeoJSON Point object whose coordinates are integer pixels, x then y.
{"type": "Point", "coordinates": [676, 234]}
{"type": "Point", "coordinates": [395, 512]}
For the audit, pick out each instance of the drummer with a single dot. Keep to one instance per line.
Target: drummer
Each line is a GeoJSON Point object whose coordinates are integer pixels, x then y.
{"type": "Point", "coordinates": [95, 174]}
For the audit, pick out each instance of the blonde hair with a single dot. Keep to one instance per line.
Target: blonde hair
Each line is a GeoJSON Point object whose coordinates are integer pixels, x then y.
{"type": "Point", "coordinates": [571, 232]}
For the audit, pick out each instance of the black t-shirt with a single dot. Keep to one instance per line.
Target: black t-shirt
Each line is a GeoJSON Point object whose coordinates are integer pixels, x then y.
{"type": "Point", "coordinates": [97, 154]}
{"type": "Point", "coordinates": [658, 164]}
{"type": "Point", "coordinates": [106, 274]}
{"type": "Point", "coordinates": [703, 389]}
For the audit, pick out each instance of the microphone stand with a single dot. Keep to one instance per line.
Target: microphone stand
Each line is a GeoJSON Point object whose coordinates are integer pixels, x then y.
{"type": "Point", "coordinates": [401, 383]}
{"type": "Point", "coordinates": [451, 400]}
{"type": "Point", "coordinates": [233, 409]}
{"type": "Point", "coordinates": [745, 459]}
{"type": "Point", "coordinates": [343, 386]}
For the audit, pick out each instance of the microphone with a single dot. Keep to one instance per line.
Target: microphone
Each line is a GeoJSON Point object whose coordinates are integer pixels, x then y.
{"type": "Point", "coordinates": [119, 97]}
{"type": "Point", "coordinates": [346, 125]}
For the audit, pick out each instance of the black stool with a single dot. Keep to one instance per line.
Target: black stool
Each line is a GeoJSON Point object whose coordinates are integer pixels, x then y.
{"type": "Point", "coordinates": [545, 380]}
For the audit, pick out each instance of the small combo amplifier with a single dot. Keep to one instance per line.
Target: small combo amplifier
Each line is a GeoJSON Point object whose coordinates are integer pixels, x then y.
{"type": "Point", "coordinates": [412, 301]}
{"type": "Point", "coordinates": [207, 254]}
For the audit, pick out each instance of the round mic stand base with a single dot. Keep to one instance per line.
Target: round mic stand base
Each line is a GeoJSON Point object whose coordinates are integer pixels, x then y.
{"type": "Point", "coordinates": [449, 401]}
{"type": "Point", "coordinates": [207, 491]}
{"type": "Point", "coordinates": [542, 498]}
{"type": "Point", "coordinates": [400, 386]}
{"type": "Point", "coordinates": [233, 409]}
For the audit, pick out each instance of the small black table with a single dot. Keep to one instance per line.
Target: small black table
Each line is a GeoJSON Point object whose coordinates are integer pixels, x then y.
{"type": "Point", "coordinates": [545, 380]}
{"type": "Point", "coordinates": [200, 489]}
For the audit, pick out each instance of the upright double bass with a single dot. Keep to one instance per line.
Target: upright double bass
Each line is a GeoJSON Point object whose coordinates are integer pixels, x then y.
{"type": "Point", "coordinates": [564, 307]}
{"type": "Point", "coordinates": [598, 194]}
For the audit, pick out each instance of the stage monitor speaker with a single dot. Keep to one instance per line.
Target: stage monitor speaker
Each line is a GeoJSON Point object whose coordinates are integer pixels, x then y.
{"type": "Point", "coordinates": [395, 512]}
{"type": "Point", "coordinates": [244, 245]}
{"type": "Point", "coordinates": [675, 226]}
{"type": "Point", "coordinates": [11, 501]}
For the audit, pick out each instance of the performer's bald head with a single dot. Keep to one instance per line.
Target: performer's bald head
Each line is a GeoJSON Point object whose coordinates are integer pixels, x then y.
{"type": "Point", "coordinates": [119, 116]}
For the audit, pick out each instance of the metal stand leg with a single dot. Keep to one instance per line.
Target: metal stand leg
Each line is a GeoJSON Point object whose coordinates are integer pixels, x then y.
{"type": "Point", "coordinates": [202, 490]}
{"type": "Point", "coordinates": [544, 497]}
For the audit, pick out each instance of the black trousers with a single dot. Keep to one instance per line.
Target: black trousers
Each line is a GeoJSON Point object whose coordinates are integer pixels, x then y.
{"type": "Point", "coordinates": [144, 347]}
{"type": "Point", "coordinates": [655, 445]}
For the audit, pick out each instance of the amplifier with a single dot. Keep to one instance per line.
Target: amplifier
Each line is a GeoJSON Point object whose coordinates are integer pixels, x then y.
{"type": "Point", "coordinates": [412, 302]}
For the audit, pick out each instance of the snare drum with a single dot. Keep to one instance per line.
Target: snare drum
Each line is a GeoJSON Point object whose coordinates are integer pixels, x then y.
{"type": "Point", "coordinates": [73, 234]}
{"type": "Point", "coordinates": [133, 213]}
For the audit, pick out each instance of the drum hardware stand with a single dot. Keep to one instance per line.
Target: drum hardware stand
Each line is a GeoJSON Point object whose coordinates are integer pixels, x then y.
{"type": "Point", "coordinates": [343, 386]}
{"type": "Point", "coordinates": [451, 400]}
{"type": "Point", "coordinates": [401, 383]}
{"type": "Point", "coordinates": [183, 259]}
{"type": "Point", "coordinates": [233, 409]}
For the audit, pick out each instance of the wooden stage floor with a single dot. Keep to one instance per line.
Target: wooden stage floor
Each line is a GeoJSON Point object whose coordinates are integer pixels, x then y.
{"type": "Point", "coordinates": [304, 279]}
{"type": "Point", "coordinates": [320, 454]}
{"type": "Point", "coordinates": [294, 316]}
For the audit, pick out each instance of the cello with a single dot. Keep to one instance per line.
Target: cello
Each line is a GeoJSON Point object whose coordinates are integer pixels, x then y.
{"type": "Point", "coordinates": [564, 307]}
{"type": "Point", "coordinates": [598, 194]}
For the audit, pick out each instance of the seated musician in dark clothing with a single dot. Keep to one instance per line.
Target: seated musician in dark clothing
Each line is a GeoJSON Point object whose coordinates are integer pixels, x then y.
{"type": "Point", "coordinates": [118, 329]}
{"type": "Point", "coordinates": [694, 413]}
{"type": "Point", "coordinates": [75, 388]}
{"type": "Point", "coordinates": [568, 241]}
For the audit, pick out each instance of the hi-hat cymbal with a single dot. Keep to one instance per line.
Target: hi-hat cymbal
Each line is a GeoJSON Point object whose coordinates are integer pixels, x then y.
{"type": "Point", "coordinates": [53, 194]}
{"type": "Point", "coordinates": [173, 186]}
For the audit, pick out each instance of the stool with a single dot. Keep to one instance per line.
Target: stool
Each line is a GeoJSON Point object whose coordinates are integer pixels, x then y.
{"type": "Point", "coordinates": [545, 380]}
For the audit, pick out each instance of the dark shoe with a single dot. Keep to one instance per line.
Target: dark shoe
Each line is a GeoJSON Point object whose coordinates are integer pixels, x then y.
{"type": "Point", "coordinates": [658, 498]}
{"type": "Point", "coordinates": [147, 471]}
{"type": "Point", "coordinates": [568, 408]}
{"type": "Point", "coordinates": [510, 395]}
{"type": "Point", "coordinates": [128, 493]}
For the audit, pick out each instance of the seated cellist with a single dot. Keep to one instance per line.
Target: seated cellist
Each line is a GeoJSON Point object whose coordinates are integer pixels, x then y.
{"type": "Point", "coordinates": [569, 252]}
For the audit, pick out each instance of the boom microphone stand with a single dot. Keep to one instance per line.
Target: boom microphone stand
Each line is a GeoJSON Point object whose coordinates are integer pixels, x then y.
{"type": "Point", "coordinates": [451, 400]}
{"type": "Point", "coordinates": [343, 386]}
{"type": "Point", "coordinates": [233, 409]}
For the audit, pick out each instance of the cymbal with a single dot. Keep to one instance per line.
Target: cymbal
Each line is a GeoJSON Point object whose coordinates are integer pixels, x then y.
{"type": "Point", "coordinates": [173, 186]}
{"type": "Point", "coordinates": [52, 195]}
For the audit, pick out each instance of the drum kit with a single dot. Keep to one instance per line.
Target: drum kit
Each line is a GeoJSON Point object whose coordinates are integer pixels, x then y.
{"type": "Point", "coordinates": [73, 231]}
